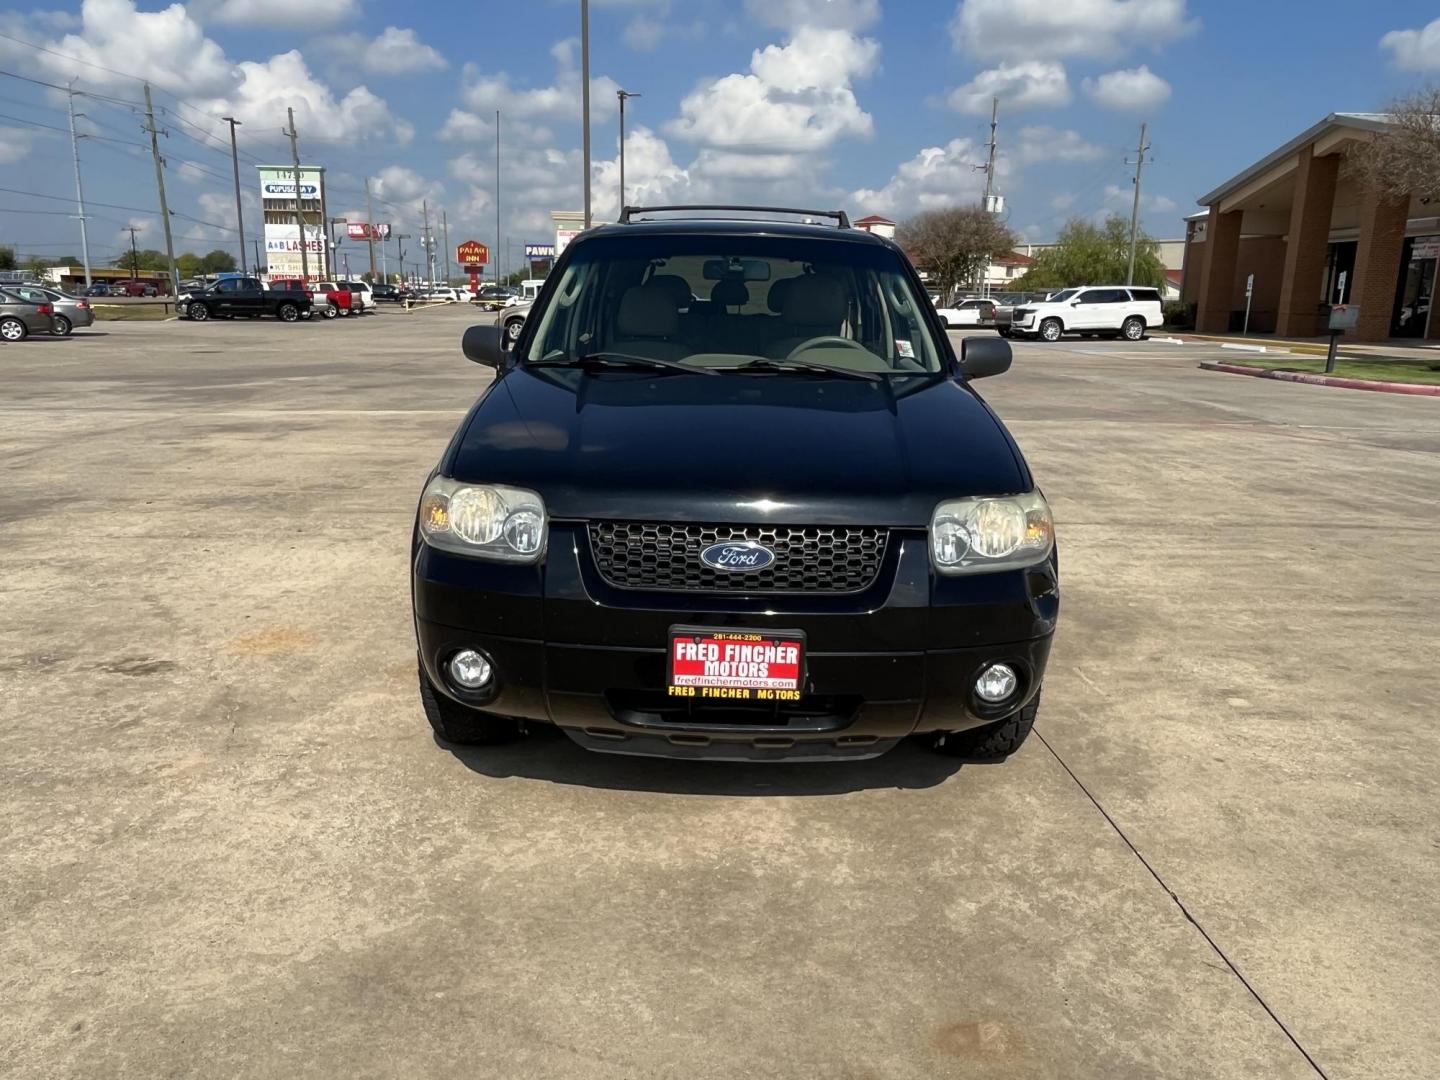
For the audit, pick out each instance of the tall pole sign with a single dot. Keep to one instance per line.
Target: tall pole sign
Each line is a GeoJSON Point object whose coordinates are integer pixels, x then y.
{"type": "Point", "coordinates": [472, 255]}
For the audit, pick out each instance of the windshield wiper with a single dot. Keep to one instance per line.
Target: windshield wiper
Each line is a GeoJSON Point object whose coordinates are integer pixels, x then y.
{"type": "Point", "coordinates": [617, 360]}
{"type": "Point", "coordinates": [807, 366]}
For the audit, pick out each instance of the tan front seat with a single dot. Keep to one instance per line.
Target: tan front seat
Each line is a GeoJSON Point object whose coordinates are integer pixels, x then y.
{"type": "Point", "coordinates": [648, 323]}
{"type": "Point", "coordinates": [813, 306]}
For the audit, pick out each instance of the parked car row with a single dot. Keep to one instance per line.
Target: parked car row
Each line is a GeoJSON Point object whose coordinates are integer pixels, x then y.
{"type": "Point", "coordinates": [126, 288]}
{"type": "Point", "coordinates": [287, 299]}
{"type": "Point", "coordinates": [38, 309]}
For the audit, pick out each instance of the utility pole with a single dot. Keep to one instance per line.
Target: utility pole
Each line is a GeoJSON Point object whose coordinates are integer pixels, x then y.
{"type": "Point", "coordinates": [623, 95]}
{"type": "Point", "coordinates": [585, 97]}
{"type": "Point", "coordinates": [134, 254]}
{"type": "Point", "coordinates": [239, 214]}
{"type": "Point", "coordinates": [445, 232]}
{"type": "Point", "coordinates": [160, 183]}
{"type": "Point", "coordinates": [400, 252]}
{"type": "Point", "coordinates": [258, 263]}
{"type": "Point", "coordinates": [427, 241]}
{"type": "Point", "coordinates": [498, 242]}
{"type": "Point", "coordinates": [990, 164]}
{"type": "Point", "coordinates": [370, 230]}
{"type": "Point", "coordinates": [299, 214]}
{"type": "Point", "coordinates": [1135, 206]}
{"type": "Point", "coordinates": [79, 191]}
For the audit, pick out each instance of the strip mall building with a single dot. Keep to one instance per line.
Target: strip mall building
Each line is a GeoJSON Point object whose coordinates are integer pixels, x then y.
{"type": "Point", "coordinates": [1313, 236]}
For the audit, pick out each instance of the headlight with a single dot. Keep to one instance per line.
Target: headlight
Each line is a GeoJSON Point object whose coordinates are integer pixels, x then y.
{"type": "Point", "coordinates": [975, 536]}
{"type": "Point", "coordinates": [485, 520]}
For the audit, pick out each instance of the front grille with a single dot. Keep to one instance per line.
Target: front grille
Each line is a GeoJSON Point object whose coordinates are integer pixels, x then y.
{"type": "Point", "coordinates": [666, 557]}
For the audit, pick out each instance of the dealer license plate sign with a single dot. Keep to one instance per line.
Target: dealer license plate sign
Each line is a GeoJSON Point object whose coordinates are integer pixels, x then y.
{"type": "Point", "coordinates": [736, 665]}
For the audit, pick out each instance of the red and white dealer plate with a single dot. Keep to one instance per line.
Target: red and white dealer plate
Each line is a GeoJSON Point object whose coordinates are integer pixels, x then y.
{"type": "Point", "coordinates": [736, 659]}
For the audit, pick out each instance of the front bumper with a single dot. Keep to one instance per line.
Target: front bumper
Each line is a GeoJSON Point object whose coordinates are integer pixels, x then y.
{"type": "Point", "coordinates": [571, 650]}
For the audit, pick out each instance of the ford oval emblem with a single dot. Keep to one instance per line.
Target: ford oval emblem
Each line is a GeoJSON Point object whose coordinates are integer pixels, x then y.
{"type": "Point", "coordinates": [737, 556]}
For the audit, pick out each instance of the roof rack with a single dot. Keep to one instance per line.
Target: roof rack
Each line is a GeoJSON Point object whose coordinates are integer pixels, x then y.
{"type": "Point", "coordinates": [842, 219]}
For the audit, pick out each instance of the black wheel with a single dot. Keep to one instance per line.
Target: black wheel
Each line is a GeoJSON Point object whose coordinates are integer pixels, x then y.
{"type": "Point", "coordinates": [512, 331]}
{"type": "Point", "coordinates": [331, 311]}
{"type": "Point", "coordinates": [288, 312]}
{"type": "Point", "coordinates": [1133, 328]}
{"type": "Point", "coordinates": [989, 744]}
{"type": "Point", "coordinates": [465, 727]}
{"type": "Point", "coordinates": [199, 312]}
{"type": "Point", "coordinates": [1051, 329]}
{"type": "Point", "coordinates": [1002, 333]}
{"type": "Point", "coordinates": [13, 330]}
{"type": "Point", "coordinates": [61, 326]}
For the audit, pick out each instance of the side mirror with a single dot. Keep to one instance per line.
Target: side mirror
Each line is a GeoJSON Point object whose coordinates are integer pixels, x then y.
{"type": "Point", "coordinates": [482, 345]}
{"type": "Point", "coordinates": [982, 356]}
{"type": "Point", "coordinates": [1074, 303]}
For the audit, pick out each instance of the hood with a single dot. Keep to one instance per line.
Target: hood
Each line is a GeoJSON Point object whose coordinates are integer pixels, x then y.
{"type": "Point", "coordinates": [759, 448]}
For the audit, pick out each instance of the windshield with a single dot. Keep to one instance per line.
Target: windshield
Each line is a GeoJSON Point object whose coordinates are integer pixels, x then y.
{"type": "Point", "coordinates": [1062, 296]}
{"type": "Point", "coordinates": [723, 301]}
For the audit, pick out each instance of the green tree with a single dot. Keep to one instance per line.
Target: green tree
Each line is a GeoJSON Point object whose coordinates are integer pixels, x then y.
{"type": "Point", "coordinates": [217, 262]}
{"type": "Point", "coordinates": [1088, 254]}
{"type": "Point", "coordinates": [955, 245]}
{"type": "Point", "coordinates": [7, 258]}
{"type": "Point", "coordinates": [187, 264]}
{"type": "Point", "coordinates": [145, 259]}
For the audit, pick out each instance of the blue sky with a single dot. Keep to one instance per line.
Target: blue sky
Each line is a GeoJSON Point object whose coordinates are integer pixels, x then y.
{"type": "Point", "coordinates": [874, 105]}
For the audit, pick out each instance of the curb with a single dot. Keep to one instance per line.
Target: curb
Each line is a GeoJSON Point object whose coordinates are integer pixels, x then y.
{"type": "Point", "coordinates": [1282, 345]}
{"type": "Point", "coordinates": [1325, 380]}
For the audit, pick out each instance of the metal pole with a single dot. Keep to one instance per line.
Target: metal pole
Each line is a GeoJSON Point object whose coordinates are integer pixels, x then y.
{"type": "Point", "coordinates": [1249, 294]}
{"type": "Point", "coordinates": [445, 232]}
{"type": "Point", "coordinates": [1135, 206]}
{"type": "Point", "coordinates": [427, 242]}
{"type": "Point", "coordinates": [585, 97]}
{"type": "Point", "coordinates": [498, 242]}
{"type": "Point", "coordinates": [79, 191]}
{"type": "Point", "coordinates": [160, 183]}
{"type": "Point", "coordinates": [990, 165]}
{"type": "Point", "coordinates": [134, 254]}
{"type": "Point", "coordinates": [370, 230]}
{"type": "Point", "coordinates": [325, 220]}
{"type": "Point", "coordinates": [239, 215]}
{"type": "Point", "coordinates": [623, 95]}
{"type": "Point", "coordinates": [299, 214]}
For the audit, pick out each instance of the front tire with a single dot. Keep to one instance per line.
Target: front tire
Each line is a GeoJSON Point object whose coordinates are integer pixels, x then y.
{"type": "Point", "coordinates": [198, 312]}
{"type": "Point", "coordinates": [61, 326]}
{"type": "Point", "coordinates": [288, 312]}
{"type": "Point", "coordinates": [512, 332]}
{"type": "Point", "coordinates": [1050, 330]}
{"type": "Point", "coordinates": [990, 744]}
{"type": "Point", "coordinates": [455, 723]}
{"type": "Point", "coordinates": [13, 330]}
{"type": "Point", "coordinates": [1133, 328]}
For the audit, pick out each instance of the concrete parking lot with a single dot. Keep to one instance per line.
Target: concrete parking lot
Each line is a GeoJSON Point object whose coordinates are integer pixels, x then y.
{"type": "Point", "coordinates": [230, 847]}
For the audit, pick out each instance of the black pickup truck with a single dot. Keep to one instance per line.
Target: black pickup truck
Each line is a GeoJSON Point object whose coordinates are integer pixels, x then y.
{"type": "Point", "coordinates": [244, 297]}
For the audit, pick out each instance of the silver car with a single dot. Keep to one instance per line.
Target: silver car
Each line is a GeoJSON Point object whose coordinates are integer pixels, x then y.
{"type": "Point", "coordinates": [70, 311]}
{"type": "Point", "coordinates": [19, 318]}
{"type": "Point", "coordinates": [513, 320]}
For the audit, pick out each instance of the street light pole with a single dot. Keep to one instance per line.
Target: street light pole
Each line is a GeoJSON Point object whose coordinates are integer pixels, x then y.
{"type": "Point", "coordinates": [622, 95]}
{"type": "Point", "coordinates": [585, 97]}
{"type": "Point", "coordinates": [239, 216]}
{"type": "Point", "coordinates": [79, 190]}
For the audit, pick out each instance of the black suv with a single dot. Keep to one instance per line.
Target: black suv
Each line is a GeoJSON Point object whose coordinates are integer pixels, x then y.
{"type": "Point", "coordinates": [732, 495]}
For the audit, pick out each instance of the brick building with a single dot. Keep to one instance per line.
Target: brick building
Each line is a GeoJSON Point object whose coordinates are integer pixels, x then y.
{"type": "Point", "coordinates": [1313, 236]}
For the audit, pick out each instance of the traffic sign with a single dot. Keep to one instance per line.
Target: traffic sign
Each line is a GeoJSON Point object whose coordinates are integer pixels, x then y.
{"type": "Point", "coordinates": [472, 253]}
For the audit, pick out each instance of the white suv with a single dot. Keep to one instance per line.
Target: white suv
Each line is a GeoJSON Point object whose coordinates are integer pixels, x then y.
{"type": "Point", "coordinates": [1111, 310]}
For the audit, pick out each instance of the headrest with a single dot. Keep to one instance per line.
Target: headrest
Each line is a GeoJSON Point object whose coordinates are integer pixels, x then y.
{"type": "Point", "coordinates": [814, 300]}
{"type": "Point", "coordinates": [775, 299]}
{"type": "Point", "coordinates": [730, 292]}
{"type": "Point", "coordinates": [676, 286]}
{"type": "Point", "coordinates": [645, 312]}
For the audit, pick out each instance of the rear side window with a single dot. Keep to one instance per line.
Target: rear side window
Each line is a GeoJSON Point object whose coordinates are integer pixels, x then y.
{"type": "Point", "coordinates": [1146, 295]}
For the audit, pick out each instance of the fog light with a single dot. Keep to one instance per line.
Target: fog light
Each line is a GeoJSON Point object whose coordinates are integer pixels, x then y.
{"type": "Point", "coordinates": [471, 671]}
{"type": "Point", "coordinates": [996, 683]}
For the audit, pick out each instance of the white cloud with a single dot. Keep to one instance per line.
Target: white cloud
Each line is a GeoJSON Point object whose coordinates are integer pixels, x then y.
{"type": "Point", "coordinates": [1029, 84]}
{"type": "Point", "coordinates": [167, 46]}
{"type": "Point", "coordinates": [391, 52]}
{"type": "Point", "coordinates": [267, 89]}
{"type": "Point", "coordinates": [644, 33]}
{"type": "Point", "coordinates": [1040, 29]}
{"type": "Point", "coordinates": [1415, 50]}
{"type": "Point", "coordinates": [938, 176]}
{"type": "Point", "coordinates": [253, 14]}
{"type": "Point", "coordinates": [849, 15]}
{"type": "Point", "coordinates": [1135, 88]}
{"type": "Point", "coordinates": [1115, 195]}
{"type": "Point", "coordinates": [14, 144]}
{"type": "Point", "coordinates": [483, 93]}
{"type": "Point", "coordinates": [797, 98]}
{"type": "Point", "coordinates": [1040, 143]}
{"type": "Point", "coordinates": [1062, 201]}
